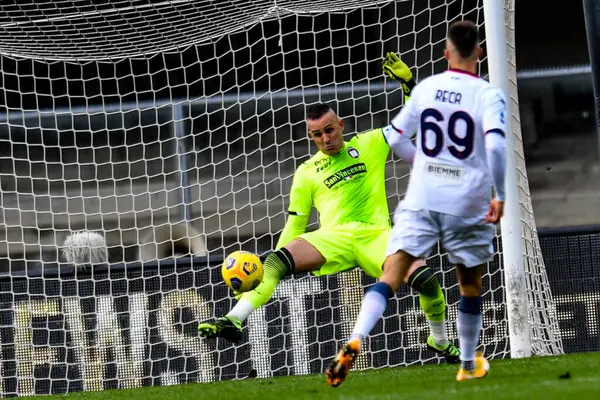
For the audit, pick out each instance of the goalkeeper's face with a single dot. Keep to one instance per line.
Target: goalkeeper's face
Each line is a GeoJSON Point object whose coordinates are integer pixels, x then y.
{"type": "Point", "coordinates": [327, 132]}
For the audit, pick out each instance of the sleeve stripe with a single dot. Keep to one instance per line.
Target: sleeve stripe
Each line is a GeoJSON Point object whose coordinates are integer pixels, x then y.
{"type": "Point", "coordinates": [384, 137]}
{"type": "Point", "coordinates": [396, 129]}
{"type": "Point", "coordinates": [292, 213]}
{"type": "Point", "coordinates": [496, 131]}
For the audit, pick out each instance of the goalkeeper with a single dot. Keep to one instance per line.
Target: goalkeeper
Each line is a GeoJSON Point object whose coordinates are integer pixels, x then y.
{"type": "Point", "coordinates": [345, 181]}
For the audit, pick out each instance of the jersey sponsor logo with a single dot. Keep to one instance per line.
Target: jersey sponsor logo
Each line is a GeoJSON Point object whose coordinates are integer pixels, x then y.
{"type": "Point", "coordinates": [353, 152]}
{"type": "Point", "coordinates": [444, 172]}
{"type": "Point", "coordinates": [345, 174]}
{"type": "Point", "coordinates": [322, 164]}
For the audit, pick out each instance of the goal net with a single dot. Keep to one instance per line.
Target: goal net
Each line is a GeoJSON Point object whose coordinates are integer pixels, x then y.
{"type": "Point", "coordinates": [174, 128]}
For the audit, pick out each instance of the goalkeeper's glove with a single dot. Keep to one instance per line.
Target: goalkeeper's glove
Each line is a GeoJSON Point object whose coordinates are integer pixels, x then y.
{"type": "Point", "coordinates": [396, 69]}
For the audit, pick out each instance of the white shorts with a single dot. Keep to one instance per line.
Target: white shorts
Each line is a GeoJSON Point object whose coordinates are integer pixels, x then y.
{"type": "Point", "coordinates": [468, 241]}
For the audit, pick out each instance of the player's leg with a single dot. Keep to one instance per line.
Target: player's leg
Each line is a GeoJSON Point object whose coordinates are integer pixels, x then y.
{"type": "Point", "coordinates": [413, 236]}
{"type": "Point", "coordinates": [297, 256]}
{"type": "Point", "coordinates": [469, 323]}
{"type": "Point", "coordinates": [395, 270]}
{"type": "Point", "coordinates": [433, 303]}
{"type": "Point", "coordinates": [374, 303]}
{"type": "Point", "coordinates": [469, 246]}
{"type": "Point", "coordinates": [370, 249]}
{"type": "Point", "coordinates": [307, 253]}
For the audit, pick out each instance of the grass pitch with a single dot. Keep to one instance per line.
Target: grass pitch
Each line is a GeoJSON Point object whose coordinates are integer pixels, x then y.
{"type": "Point", "coordinates": [573, 377]}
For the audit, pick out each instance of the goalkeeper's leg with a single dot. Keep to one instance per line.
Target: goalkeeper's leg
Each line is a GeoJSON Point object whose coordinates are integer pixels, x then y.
{"type": "Point", "coordinates": [433, 303]}
{"type": "Point", "coordinates": [297, 256]}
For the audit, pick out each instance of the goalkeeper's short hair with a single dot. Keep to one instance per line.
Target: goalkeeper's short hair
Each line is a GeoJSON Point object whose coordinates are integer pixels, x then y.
{"type": "Point", "coordinates": [316, 111]}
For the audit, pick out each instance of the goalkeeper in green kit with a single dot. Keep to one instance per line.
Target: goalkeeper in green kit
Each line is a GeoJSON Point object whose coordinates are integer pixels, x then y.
{"type": "Point", "coordinates": [345, 182]}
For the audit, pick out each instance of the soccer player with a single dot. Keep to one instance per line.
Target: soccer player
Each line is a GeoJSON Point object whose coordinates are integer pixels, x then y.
{"type": "Point", "coordinates": [460, 124]}
{"type": "Point", "coordinates": [345, 182]}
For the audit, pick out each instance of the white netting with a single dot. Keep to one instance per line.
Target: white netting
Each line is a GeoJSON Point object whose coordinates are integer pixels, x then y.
{"type": "Point", "coordinates": [93, 30]}
{"type": "Point", "coordinates": [545, 335]}
{"type": "Point", "coordinates": [176, 126]}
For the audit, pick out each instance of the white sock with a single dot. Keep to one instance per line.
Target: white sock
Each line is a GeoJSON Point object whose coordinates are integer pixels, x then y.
{"type": "Point", "coordinates": [373, 307]}
{"type": "Point", "coordinates": [438, 331]}
{"type": "Point", "coordinates": [469, 328]}
{"type": "Point", "coordinates": [241, 310]}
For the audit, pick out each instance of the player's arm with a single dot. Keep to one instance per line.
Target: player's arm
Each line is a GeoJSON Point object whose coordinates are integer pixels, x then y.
{"type": "Point", "coordinates": [397, 70]}
{"type": "Point", "coordinates": [301, 203]}
{"type": "Point", "coordinates": [400, 132]}
{"type": "Point", "coordinates": [494, 126]}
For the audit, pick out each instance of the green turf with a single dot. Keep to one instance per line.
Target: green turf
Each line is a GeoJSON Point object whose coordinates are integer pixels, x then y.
{"type": "Point", "coordinates": [533, 378]}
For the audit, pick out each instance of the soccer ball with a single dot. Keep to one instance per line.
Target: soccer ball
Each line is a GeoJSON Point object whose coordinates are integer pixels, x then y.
{"type": "Point", "coordinates": [83, 248]}
{"type": "Point", "coordinates": [242, 271]}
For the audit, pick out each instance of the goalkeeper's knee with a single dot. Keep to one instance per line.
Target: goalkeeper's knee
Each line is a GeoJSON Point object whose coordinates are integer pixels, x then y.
{"type": "Point", "coordinates": [431, 297]}
{"type": "Point", "coordinates": [279, 264]}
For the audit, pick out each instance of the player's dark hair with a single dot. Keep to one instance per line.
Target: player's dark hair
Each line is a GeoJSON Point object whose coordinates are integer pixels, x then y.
{"type": "Point", "coordinates": [464, 35]}
{"type": "Point", "coordinates": [316, 111]}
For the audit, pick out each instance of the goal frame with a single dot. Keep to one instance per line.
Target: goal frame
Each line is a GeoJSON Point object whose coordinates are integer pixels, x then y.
{"type": "Point", "coordinates": [514, 270]}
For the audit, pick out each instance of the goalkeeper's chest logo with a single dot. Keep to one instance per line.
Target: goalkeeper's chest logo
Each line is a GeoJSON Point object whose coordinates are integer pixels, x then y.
{"type": "Point", "coordinates": [353, 152]}
{"type": "Point", "coordinates": [345, 175]}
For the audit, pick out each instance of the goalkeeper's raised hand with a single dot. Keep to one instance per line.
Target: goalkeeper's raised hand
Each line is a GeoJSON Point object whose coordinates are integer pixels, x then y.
{"type": "Point", "coordinates": [396, 69]}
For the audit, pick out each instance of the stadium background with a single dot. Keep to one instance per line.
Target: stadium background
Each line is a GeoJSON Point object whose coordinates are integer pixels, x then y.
{"type": "Point", "coordinates": [562, 155]}
{"type": "Point", "coordinates": [223, 138]}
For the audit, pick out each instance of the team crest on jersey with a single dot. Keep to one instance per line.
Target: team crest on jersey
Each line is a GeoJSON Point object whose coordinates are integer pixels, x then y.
{"type": "Point", "coordinates": [353, 152]}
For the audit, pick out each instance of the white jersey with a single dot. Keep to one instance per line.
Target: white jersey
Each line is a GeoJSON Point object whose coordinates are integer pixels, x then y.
{"type": "Point", "coordinates": [451, 113]}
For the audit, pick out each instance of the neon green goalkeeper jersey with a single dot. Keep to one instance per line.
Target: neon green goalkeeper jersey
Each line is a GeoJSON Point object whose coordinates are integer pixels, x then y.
{"type": "Point", "coordinates": [347, 187]}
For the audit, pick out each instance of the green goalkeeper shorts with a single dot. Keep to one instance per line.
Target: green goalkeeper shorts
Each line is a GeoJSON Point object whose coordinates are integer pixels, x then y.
{"type": "Point", "coordinates": [350, 245]}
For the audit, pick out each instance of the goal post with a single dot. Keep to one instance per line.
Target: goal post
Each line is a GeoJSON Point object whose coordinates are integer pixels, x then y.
{"type": "Point", "coordinates": [532, 319]}
{"type": "Point", "coordinates": [514, 271]}
{"type": "Point", "coordinates": [176, 127]}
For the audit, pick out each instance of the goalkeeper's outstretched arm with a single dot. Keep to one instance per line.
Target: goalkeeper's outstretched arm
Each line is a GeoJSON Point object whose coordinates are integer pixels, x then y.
{"type": "Point", "coordinates": [400, 132]}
